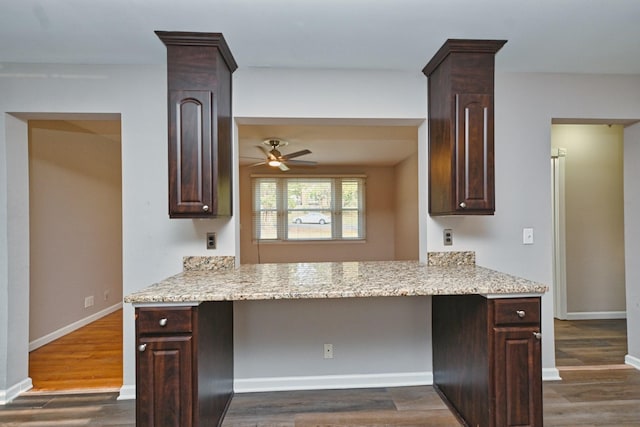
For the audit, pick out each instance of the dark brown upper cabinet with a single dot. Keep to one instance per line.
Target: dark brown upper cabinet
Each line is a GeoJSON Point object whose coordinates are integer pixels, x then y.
{"type": "Point", "coordinates": [199, 68]}
{"type": "Point", "coordinates": [460, 102]}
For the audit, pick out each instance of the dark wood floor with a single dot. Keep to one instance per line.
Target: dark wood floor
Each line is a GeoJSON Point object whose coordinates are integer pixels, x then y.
{"type": "Point", "coordinates": [585, 397]}
{"type": "Point", "coordinates": [608, 397]}
{"type": "Point", "coordinates": [590, 342]}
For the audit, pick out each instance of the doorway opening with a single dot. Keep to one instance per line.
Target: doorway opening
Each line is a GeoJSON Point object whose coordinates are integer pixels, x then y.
{"type": "Point", "coordinates": [589, 261]}
{"type": "Point", "coordinates": [384, 153]}
{"type": "Point", "coordinates": [75, 252]}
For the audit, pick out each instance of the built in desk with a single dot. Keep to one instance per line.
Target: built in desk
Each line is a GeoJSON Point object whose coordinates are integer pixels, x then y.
{"type": "Point", "coordinates": [486, 336]}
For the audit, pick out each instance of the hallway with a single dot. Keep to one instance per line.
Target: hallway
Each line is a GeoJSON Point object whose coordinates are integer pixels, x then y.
{"type": "Point", "coordinates": [88, 358]}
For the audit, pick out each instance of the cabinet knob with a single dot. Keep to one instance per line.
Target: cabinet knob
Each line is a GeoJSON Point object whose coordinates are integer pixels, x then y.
{"type": "Point", "coordinates": [520, 313]}
{"type": "Point", "coordinates": [463, 205]}
{"type": "Point", "coordinates": [142, 348]}
{"type": "Point", "coordinates": [205, 208]}
{"type": "Point", "coordinates": [538, 335]}
{"type": "Point", "coordinates": [163, 321]}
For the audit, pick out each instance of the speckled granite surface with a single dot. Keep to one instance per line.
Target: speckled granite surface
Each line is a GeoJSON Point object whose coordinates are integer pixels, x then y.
{"type": "Point", "coordinates": [208, 263]}
{"type": "Point", "coordinates": [451, 258]}
{"type": "Point", "coordinates": [331, 280]}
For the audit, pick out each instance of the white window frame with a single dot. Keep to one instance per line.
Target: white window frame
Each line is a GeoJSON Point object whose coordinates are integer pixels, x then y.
{"type": "Point", "coordinates": [282, 210]}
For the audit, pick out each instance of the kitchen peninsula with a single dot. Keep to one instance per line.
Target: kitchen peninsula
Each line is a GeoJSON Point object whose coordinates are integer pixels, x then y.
{"type": "Point", "coordinates": [486, 334]}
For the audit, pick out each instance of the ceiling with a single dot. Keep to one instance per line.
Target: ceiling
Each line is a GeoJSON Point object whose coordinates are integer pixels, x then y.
{"type": "Point", "coordinates": [332, 145]}
{"type": "Point", "coordinates": [586, 36]}
{"type": "Point", "coordinates": [576, 36]}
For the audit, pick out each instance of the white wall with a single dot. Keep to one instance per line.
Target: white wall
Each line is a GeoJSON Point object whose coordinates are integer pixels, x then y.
{"type": "Point", "coordinates": [594, 204]}
{"type": "Point", "coordinates": [525, 104]}
{"type": "Point", "coordinates": [333, 94]}
{"type": "Point", "coordinates": [406, 209]}
{"type": "Point", "coordinates": [375, 341]}
{"type": "Point", "coordinates": [153, 244]}
{"type": "Point", "coordinates": [632, 245]}
{"type": "Point", "coordinates": [14, 278]}
{"type": "Point", "coordinates": [75, 205]}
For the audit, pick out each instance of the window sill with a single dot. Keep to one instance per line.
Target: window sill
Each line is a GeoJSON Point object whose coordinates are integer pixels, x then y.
{"type": "Point", "coordinates": [309, 242]}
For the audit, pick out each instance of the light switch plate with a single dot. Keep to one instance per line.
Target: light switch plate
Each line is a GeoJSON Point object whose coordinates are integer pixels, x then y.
{"type": "Point", "coordinates": [527, 236]}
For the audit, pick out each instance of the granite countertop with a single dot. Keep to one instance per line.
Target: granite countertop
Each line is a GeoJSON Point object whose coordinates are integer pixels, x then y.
{"type": "Point", "coordinates": [332, 280]}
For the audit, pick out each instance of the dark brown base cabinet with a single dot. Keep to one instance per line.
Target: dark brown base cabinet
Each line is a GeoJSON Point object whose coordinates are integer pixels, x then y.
{"type": "Point", "coordinates": [184, 364]}
{"type": "Point", "coordinates": [487, 359]}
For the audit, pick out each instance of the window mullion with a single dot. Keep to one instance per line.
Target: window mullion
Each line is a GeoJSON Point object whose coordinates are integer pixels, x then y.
{"type": "Point", "coordinates": [282, 210]}
{"type": "Point", "coordinates": [336, 211]}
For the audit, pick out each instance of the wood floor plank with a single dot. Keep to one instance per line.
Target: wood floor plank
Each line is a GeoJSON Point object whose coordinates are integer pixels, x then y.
{"type": "Point", "coordinates": [88, 358]}
{"type": "Point", "coordinates": [585, 397]}
{"type": "Point", "coordinates": [402, 406]}
{"type": "Point", "coordinates": [593, 398]}
{"type": "Point", "coordinates": [432, 418]}
{"type": "Point", "coordinates": [590, 342]}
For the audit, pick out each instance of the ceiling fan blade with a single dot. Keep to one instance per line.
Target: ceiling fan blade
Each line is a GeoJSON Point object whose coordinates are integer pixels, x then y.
{"type": "Point", "coordinates": [268, 153]}
{"type": "Point", "coordinates": [302, 162]}
{"type": "Point", "coordinates": [296, 154]}
{"type": "Point", "coordinates": [257, 164]}
{"type": "Point", "coordinates": [283, 167]}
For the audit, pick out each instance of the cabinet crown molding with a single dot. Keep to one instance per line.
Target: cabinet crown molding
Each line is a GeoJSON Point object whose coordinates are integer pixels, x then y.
{"type": "Point", "coordinates": [184, 38]}
{"type": "Point", "coordinates": [462, 46]}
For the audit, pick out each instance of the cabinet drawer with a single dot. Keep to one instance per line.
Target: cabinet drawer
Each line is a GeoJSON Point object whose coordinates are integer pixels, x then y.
{"type": "Point", "coordinates": [156, 320]}
{"type": "Point", "coordinates": [517, 311]}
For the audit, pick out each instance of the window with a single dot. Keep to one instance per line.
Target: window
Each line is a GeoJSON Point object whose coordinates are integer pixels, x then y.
{"type": "Point", "coordinates": [308, 208]}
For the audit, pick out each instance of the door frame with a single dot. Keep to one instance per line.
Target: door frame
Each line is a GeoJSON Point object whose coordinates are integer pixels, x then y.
{"type": "Point", "coordinates": [559, 232]}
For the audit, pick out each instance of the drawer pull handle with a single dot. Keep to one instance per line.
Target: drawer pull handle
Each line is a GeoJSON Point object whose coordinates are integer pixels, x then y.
{"type": "Point", "coordinates": [142, 348]}
{"type": "Point", "coordinates": [520, 313]}
{"type": "Point", "coordinates": [538, 335]}
{"type": "Point", "coordinates": [163, 321]}
{"type": "Point", "coordinates": [205, 208]}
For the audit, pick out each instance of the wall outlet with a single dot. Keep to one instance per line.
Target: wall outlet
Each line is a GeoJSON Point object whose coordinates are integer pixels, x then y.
{"type": "Point", "coordinates": [328, 351]}
{"type": "Point", "coordinates": [88, 301]}
{"type": "Point", "coordinates": [211, 240]}
{"type": "Point", "coordinates": [447, 236]}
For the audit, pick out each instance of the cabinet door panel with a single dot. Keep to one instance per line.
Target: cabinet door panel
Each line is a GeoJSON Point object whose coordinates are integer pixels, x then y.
{"type": "Point", "coordinates": [474, 151]}
{"type": "Point", "coordinates": [518, 377]}
{"type": "Point", "coordinates": [190, 143]}
{"type": "Point", "coordinates": [164, 374]}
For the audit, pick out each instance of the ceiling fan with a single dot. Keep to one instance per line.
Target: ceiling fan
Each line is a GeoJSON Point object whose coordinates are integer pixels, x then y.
{"type": "Point", "coordinates": [278, 160]}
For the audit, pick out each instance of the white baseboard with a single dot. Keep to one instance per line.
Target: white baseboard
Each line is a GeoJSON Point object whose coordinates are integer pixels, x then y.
{"type": "Point", "coordinates": [404, 379]}
{"type": "Point", "coordinates": [551, 374]}
{"type": "Point", "coordinates": [632, 361]}
{"type": "Point", "coordinates": [12, 392]}
{"type": "Point", "coordinates": [596, 315]}
{"type": "Point", "coordinates": [127, 392]}
{"type": "Point", "coordinates": [39, 342]}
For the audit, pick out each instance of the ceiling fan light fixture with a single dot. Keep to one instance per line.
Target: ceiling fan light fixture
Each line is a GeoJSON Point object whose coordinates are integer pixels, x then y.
{"type": "Point", "coordinates": [274, 163]}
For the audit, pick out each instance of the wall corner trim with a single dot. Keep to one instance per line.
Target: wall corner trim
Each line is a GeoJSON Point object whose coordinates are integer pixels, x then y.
{"type": "Point", "coordinates": [596, 315]}
{"type": "Point", "coordinates": [551, 374]}
{"type": "Point", "coordinates": [39, 342]}
{"type": "Point", "coordinates": [632, 361]}
{"type": "Point", "coordinates": [400, 379]}
{"type": "Point", "coordinates": [127, 392]}
{"type": "Point", "coordinates": [14, 391]}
